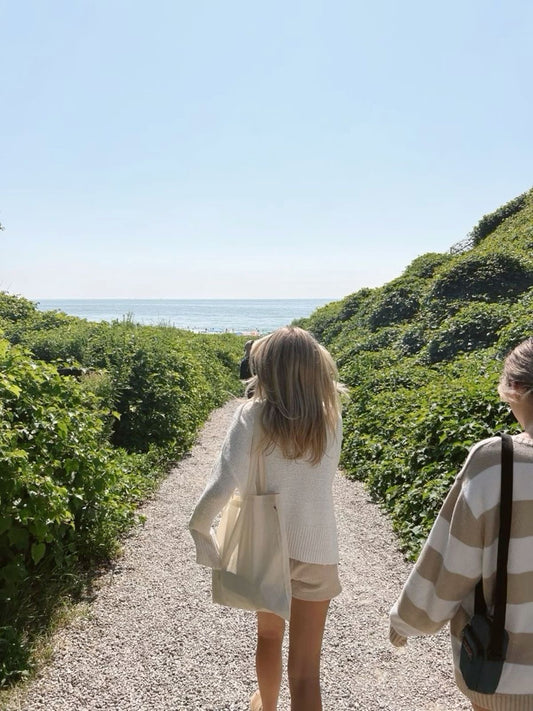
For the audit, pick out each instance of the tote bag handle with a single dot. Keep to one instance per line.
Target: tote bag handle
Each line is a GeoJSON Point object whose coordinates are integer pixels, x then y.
{"type": "Point", "coordinates": [256, 483]}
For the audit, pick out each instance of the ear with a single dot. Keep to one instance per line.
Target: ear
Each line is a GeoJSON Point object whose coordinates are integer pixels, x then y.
{"type": "Point", "coordinates": [518, 387]}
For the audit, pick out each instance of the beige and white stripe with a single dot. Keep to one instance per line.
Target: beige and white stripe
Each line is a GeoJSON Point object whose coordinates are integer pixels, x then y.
{"type": "Point", "coordinates": [461, 549]}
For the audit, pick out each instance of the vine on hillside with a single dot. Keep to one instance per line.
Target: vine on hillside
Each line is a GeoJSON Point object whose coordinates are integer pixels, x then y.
{"type": "Point", "coordinates": [493, 220]}
{"type": "Point", "coordinates": [422, 356]}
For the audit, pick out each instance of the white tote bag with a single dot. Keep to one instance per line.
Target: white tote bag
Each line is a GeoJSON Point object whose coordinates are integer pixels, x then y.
{"type": "Point", "coordinates": [254, 573]}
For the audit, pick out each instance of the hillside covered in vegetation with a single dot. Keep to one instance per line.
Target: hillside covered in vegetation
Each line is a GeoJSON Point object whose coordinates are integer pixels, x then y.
{"type": "Point", "coordinates": [422, 356]}
{"type": "Point", "coordinates": [91, 417]}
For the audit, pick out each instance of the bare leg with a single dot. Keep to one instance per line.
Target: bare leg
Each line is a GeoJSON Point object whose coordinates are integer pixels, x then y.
{"type": "Point", "coordinates": [305, 646]}
{"type": "Point", "coordinates": [478, 708]}
{"type": "Point", "coordinates": [270, 630]}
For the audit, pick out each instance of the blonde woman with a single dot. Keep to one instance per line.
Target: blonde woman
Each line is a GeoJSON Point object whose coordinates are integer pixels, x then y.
{"type": "Point", "coordinates": [296, 396]}
{"type": "Point", "coordinates": [462, 549]}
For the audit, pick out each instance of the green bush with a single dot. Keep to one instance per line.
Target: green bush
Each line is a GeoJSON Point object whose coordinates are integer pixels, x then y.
{"type": "Point", "coordinates": [520, 326]}
{"type": "Point", "coordinates": [65, 494]}
{"type": "Point", "coordinates": [473, 327]}
{"type": "Point", "coordinates": [422, 356]}
{"type": "Point", "coordinates": [352, 304]}
{"type": "Point", "coordinates": [425, 266]}
{"type": "Point", "coordinates": [61, 342]}
{"type": "Point", "coordinates": [412, 339]}
{"type": "Point", "coordinates": [78, 454]}
{"type": "Point", "coordinates": [408, 430]}
{"type": "Point", "coordinates": [489, 223]}
{"type": "Point", "coordinates": [15, 308]}
{"type": "Point", "coordinates": [483, 277]}
{"type": "Point", "coordinates": [372, 342]}
{"type": "Point", "coordinates": [397, 304]}
{"type": "Point", "coordinates": [325, 323]}
{"type": "Point", "coordinates": [163, 382]}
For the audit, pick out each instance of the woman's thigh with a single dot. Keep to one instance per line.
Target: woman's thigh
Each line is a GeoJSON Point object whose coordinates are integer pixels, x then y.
{"type": "Point", "coordinates": [305, 637]}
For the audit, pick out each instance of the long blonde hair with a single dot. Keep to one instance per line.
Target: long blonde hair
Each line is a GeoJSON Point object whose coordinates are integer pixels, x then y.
{"type": "Point", "coordinates": [296, 379]}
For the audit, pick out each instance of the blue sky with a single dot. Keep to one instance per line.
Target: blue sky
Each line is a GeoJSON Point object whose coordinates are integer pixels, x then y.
{"type": "Point", "coordinates": [251, 150]}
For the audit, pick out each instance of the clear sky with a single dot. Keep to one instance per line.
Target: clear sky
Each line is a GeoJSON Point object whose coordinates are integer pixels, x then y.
{"type": "Point", "coordinates": [245, 149]}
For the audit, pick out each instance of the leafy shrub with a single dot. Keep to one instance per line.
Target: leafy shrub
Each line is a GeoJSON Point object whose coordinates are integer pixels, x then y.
{"type": "Point", "coordinates": [65, 494]}
{"type": "Point", "coordinates": [423, 384]}
{"type": "Point", "coordinates": [425, 266]}
{"type": "Point", "coordinates": [324, 323]}
{"type": "Point", "coordinates": [351, 305]}
{"type": "Point", "coordinates": [365, 368]}
{"type": "Point", "coordinates": [412, 340]}
{"type": "Point", "coordinates": [164, 386]}
{"type": "Point", "coordinates": [474, 327]}
{"type": "Point", "coordinates": [64, 342]}
{"type": "Point", "coordinates": [163, 382]}
{"type": "Point", "coordinates": [15, 308]}
{"type": "Point", "coordinates": [483, 277]}
{"type": "Point", "coordinates": [492, 221]}
{"type": "Point", "coordinates": [19, 316]}
{"type": "Point", "coordinates": [520, 324]}
{"type": "Point", "coordinates": [379, 340]}
{"type": "Point", "coordinates": [397, 304]}
{"type": "Point", "coordinates": [408, 435]}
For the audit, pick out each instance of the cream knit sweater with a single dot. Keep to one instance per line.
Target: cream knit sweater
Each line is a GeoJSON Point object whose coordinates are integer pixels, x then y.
{"type": "Point", "coordinates": [306, 502]}
{"type": "Point", "coordinates": [462, 548]}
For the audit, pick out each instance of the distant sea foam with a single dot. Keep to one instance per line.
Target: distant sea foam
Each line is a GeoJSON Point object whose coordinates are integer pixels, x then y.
{"type": "Point", "coordinates": [200, 315]}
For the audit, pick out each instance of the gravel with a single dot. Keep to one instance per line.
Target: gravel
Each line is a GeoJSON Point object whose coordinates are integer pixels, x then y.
{"type": "Point", "coordinates": [151, 638]}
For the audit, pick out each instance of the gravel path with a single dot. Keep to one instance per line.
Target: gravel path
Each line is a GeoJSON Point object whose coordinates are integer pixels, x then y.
{"type": "Point", "coordinates": [153, 641]}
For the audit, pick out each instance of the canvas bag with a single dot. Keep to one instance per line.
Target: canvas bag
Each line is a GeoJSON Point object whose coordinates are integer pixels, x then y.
{"type": "Point", "coordinates": [254, 572]}
{"type": "Point", "coordinates": [485, 640]}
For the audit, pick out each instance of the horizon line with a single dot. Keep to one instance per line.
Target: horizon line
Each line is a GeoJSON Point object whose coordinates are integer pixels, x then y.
{"type": "Point", "coordinates": [187, 298]}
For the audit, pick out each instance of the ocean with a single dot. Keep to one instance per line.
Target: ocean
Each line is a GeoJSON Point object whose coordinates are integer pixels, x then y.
{"type": "Point", "coordinates": [249, 316]}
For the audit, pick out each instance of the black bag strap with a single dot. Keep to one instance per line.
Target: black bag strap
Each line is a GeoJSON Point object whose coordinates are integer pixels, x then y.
{"type": "Point", "coordinates": [495, 650]}
{"type": "Point", "coordinates": [506, 506]}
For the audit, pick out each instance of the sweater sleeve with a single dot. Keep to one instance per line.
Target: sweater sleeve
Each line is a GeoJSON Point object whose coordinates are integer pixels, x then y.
{"type": "Point", "coordinates": [446, 571]}
{"type": "Point", "coordinates": [229, 473]}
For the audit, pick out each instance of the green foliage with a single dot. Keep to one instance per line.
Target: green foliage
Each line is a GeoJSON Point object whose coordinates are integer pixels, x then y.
{"type": "Point", "coordinates": [490, 222]}
{"type": "Point", "coordinates": [65, 494]}
{"type": "Point", "coordinates": [78, 454]}
{"type": "Point", "coordinates": [162, 382]}
{"type": "Point", "coordinates": [425, 266]}
{"type": "Point", "coordinates": [482, 277]}
{"type": "Point", "coordinates": [353, 304]}
{"type": "Point", "coordinates": [407, 432]}
{"type": "Point", "coordinates": [325, 322]}
{"type": "Point", "coordinates": [412, 339]}
{"type": "Point", "coordinates": [396, 304]}
{"type": "Point", "coordinates": [422, 357]}
{"type": "Point", "coordinates": [473, 327]}
{"type": "Point", "coordinates": [14, 308]}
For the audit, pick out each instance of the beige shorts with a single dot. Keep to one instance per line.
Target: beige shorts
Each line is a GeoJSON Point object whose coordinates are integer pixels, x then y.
{"type": "Point", "coordinates": [314, 582]}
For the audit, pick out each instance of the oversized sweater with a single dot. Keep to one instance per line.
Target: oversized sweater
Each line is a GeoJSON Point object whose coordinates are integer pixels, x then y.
{"type": "Point", "coordinates": [461, 549]}
{"type": "Point", "coordinates": [306, 502]}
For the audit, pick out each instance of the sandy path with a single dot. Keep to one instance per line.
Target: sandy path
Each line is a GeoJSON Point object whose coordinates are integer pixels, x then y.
{"type": "Point", "coordinates": [153, 641]}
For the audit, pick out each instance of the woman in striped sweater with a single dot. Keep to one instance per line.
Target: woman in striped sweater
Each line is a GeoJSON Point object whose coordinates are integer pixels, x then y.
{"type": "Point", "coordinates": [462, 548]}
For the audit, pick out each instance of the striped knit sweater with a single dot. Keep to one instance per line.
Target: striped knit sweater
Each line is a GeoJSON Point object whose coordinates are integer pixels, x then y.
{"type": "Point", "coordinates": [462, 548]}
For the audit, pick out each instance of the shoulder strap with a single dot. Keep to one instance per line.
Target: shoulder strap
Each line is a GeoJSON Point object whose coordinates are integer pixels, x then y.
{"type": "Point", "coordinates": [506, 505]}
